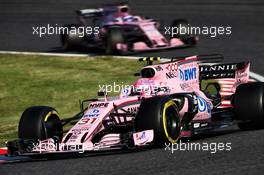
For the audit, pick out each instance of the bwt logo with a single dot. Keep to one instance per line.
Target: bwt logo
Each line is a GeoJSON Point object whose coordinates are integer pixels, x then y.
{"type": "Point", "coordinates": [188, 74]}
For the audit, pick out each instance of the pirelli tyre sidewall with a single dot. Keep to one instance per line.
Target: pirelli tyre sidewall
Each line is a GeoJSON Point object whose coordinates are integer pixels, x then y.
{"type": "Point", "coordinates": [160, 114]}
{"type": "Point", "coordinates": [39, 123]}
{"type": "Point", "coordinates": [249, 105]}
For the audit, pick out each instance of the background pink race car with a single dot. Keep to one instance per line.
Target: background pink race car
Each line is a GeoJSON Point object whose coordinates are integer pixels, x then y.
{"type": "Point", "coordinates": [172, 100]}
{"type": "Point", "coordinates": [117, 31]}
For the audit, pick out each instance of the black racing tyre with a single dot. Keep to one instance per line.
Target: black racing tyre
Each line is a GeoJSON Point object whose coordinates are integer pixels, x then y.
{"type": "Point", "coordinates": [160, 114]}
{"type": "Point", "coordinates": [246, 126]}
{"type": "Point", "coordinates": [249, 105]}
{"type": "Point", "coordinates": [180, 24]}
{"type": "Point", "coordinates": [40, 123]}
{"type": "Point", "coordinates": [114, 36]}
{"type": "Point", "coordinates": [70, 40]}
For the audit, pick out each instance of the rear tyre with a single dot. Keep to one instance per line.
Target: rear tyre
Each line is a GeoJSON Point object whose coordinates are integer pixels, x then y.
{"type": "Point", "coordinates": [40, 123]}
{"type": "Point", "coordinates": [249, 105]}
{"type": "Point", "coordinates": [160, 114]}
{"type": "Point", "coordinates": [114, 36]}
{"type": "Point", "coordinates": [71, 40]}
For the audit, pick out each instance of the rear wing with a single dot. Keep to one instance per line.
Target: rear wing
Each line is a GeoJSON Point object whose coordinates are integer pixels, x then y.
{"type": "Point", "coordinates": [216, 71]}
{"type": "Point", "coordinates": [90, 12]}
{"type": "Point", "coordinates": [228, 76]}
{"type": "Point", "coordinates": [210, 66]}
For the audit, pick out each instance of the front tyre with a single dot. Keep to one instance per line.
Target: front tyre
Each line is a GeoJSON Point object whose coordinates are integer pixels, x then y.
{"type": "Point", "coordinates": [40, 123]}
{"type": "Point", "coordinates": [114, 36]}
{"type": "Point", "coordinates": [161, 115]}
{"type": "Point", "coordinates": [70, 38]}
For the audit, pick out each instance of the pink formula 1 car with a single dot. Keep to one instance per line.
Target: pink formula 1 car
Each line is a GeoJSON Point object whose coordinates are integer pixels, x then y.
{"type": "Point", "coordinates": [113, 29]}
{"type": "Point", "coordinates": [170, 101]}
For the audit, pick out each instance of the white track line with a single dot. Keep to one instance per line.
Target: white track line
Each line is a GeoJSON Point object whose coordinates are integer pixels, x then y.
{"type": "Point", "coordinates": [252, 74]}
{"type": "Point", "coordinates": [45, 54]}
{"type": "Point", "coordinates": [256, 76]}
{"type": "Point", "coordinates": [63, 54]}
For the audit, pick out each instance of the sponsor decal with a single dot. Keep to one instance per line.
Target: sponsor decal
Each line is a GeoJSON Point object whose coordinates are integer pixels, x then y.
{"type": "Point", "coordinates": [99, 105]}
{"type": "Point", "coordinates": [161, 89]}
{"type": "Point", "coordinates": [185, 86]}
{"type": "Point", "coordinates": [92, 114]}
{"type": "Point", "coordinates": [218, 71]}
{"type": "Point", "coordinates": [204, 124]}
{"type": "Point", "coordinates": [86, 120]}
{"type": "Point", "coordinates": [158, 68]}
{"type": "Point", "coordinates": [218, 75]}
{"type": "Point", "coordinates": [171, 75]}
{"type": "Point", "coordinates": [80, 129]}
{"type": "Point", "coordinates": [141, 136]}
{"type": "Point", "coordinates": [222, 67]}
{"type": "Point", "coordinates": [188, 74]}
{"type": "Point", "coordinates": [125, 92]}
{"type": "Point", "coordinates": [74, 137]}
{"type": "Point", "coordinates": [132, 109]}
{"type": "Point", "coordinates": [203, 105]}
{"type": "Point", "coordinates": [196, 125]}
{"type": "Point", "coordinates": [172, 67]}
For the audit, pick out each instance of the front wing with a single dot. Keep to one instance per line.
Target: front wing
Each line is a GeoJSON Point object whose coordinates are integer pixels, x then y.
{"type": "Point", "coordinates": [139, 140]}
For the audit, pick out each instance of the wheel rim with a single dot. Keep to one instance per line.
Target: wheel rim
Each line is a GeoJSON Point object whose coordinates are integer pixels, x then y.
{"type": "Point", "coordinates": [171, 122]}
{"type": "Point", "coordinates": [53, 125]}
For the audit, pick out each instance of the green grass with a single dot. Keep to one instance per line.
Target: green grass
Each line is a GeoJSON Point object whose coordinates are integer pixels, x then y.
{"type": "Point", "coordinates": [54, 81]}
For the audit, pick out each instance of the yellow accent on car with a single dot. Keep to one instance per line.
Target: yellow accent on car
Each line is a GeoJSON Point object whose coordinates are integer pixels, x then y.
{"type": "Point", "coordinates": [158, 59]}
{"type": "Point", "coordinates": [151, 59]}
{"type": "Point", "coordinates": [167, 105]}
{"type": "Point", "coordinates": [49, 114]}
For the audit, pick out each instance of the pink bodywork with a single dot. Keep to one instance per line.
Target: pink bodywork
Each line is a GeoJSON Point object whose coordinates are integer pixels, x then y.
{"type": "Point", "coordinates": [174, 77]}
{"type": "Point", "coordinates": [147, 36]}
{"type": "Point", "coordinates": [148, 27]}
{"type": "Point", "coordinates": [153, 34]}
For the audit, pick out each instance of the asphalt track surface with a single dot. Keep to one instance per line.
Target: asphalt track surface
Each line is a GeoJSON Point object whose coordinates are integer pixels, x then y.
{"type": "Point", "coordinates": [246, 42]}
